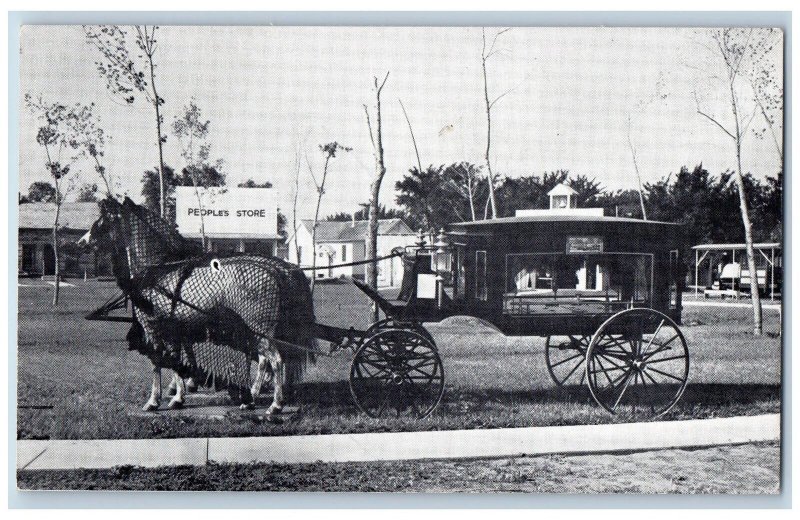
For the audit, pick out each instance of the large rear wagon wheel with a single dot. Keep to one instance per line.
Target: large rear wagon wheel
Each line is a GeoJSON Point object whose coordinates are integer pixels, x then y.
{"type": "Point", "coordinates": [397, 373]}
{"type": "Point", "coordinates": [564, 356]}
{"type": "Point", "coordinates": [637, 364]}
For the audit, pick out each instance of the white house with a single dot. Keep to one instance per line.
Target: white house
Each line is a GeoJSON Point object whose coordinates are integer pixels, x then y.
{"type": "Point", "coordinates": [345, 242]}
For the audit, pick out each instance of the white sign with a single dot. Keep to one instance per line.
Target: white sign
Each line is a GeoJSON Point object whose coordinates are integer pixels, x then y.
{"type": "Point", "coordinates": [227, 212]}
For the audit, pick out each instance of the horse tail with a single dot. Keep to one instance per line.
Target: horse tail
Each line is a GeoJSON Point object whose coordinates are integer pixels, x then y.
{"type": "Point", "coordinates": [298, 326]}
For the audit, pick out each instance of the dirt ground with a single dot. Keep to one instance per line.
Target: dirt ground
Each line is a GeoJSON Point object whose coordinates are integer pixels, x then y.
{"type": "Point", "coordinates": [744, 469]}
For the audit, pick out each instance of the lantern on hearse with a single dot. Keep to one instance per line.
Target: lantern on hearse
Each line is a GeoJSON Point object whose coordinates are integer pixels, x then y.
{"type": "Point", "coordinates": [441, 260]}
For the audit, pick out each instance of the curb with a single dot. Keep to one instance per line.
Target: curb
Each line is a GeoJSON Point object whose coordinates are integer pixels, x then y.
{"type": "Point", "coordinates": [367, 447]}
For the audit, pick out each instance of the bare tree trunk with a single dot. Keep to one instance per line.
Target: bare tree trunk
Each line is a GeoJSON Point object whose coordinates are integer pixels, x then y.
{"type": "Point", "coordinates": [56, 266]}
{"type": "Point", "coordinates": [636, 168]}
{"type": "Point", "coordinates": [748, 230]}
{"type": "Point", "coordinates": [375, 189]}
{"type": "Point", "coordinates": [489, 174]}
{"type": "Point", "coordinates": [157, 103]}
{"type": "Point", "coordinates": [413, 141]}
{"type": "Point", "coordinates": [294, 204]}
{"type": "Point", "coordinates": [470, 180]}
{"type": "Point", "coordinates": [320, 193]}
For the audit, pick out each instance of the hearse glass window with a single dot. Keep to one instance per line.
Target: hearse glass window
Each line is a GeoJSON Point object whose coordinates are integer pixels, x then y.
{"type": "Point", "coordinates": [459, 272]}
{"type": "Point", "coordinates": [481, 292]}
{"type": "Point", "coordinates": [673, 279]}
{"type": "Point", "coordinates": [603, 276]}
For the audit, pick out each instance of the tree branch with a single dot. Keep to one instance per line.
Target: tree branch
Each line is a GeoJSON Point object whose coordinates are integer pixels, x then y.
{"type": "Point", "coordinates": [712, 119]}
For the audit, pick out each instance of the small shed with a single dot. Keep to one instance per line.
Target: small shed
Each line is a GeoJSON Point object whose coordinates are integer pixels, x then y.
{"type": "Point", "coordinates": [711, 260]}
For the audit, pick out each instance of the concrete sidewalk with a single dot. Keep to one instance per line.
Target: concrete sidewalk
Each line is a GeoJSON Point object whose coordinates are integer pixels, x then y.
{"type": "Point", "coordinates": [451, 444]}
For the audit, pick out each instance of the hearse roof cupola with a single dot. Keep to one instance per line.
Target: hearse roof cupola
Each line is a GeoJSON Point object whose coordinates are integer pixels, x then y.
{"type": "Point", "coordinates": [563, 197]}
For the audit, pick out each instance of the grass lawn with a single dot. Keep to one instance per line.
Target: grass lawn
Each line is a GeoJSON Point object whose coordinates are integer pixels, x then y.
{"type": "Point", "coordinates": [745, 469]}
{"type": "Point", "coordinates": [76, 378]}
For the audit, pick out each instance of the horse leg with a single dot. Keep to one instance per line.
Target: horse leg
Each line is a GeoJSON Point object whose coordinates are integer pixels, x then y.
{"type": "Point", "coordinates": [180, 390]}
{"type": "Point", "coordinates": [278, 375]}
{"type": "Point", "coordinates": [155, 391]}
{"type": "Point", "coordinates": [191, 385]}
{"type": "Point", "coordinates": [260, 375]}
{"type": "Point", "coordinates": [172, 389]}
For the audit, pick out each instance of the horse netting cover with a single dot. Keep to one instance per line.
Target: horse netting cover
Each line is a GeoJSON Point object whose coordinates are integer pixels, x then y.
{"type": "Point", "coordinates": [204, 315]}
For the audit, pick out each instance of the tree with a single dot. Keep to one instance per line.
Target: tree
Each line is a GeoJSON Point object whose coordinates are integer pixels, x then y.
{"type": "Point", "coordinates": [87, 193]}
{"type": "Point", "coordinates": [363, 214]}
{"type": "Point", "coordinates": [375, 188]}
{"type": "Point", "coordinates": [192, 132]}
{"type": "Point", "coordinates": [420, 193]}
{"type": "Point", "coordinates": [465, 180]}
{"type": "Point", "coordinates": [766, 86]}
{"type": "Point", "coordinates": [126, 66]}
{"type": "Point", "coordinates": [733, 48]}
{"type": "Point", "coordinates": [250, 183]}
{"type": "Point", "coordinates": [329, 151]}
{"type": "Point", "coordinates": [151, 190]}
{"type": "Point", "coordinates": [62, 150]}
{"type": "Point", "coordinates": [486, 54]}
{"type": "Point", "coordinates": [41, 191]}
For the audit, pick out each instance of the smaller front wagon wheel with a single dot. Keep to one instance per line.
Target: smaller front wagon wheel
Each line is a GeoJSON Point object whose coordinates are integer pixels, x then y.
{"type": "Point", "coordinates": [397, 373]}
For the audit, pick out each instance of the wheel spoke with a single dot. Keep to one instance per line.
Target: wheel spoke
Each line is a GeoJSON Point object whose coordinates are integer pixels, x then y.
{"type": "Point", "coordinates": [658, 329]}
{"type": "Point", "coordinates": [567, 359]}
{"type": "Point", "coordinates": [624, 388]}
{"type": "Point", "coordinates": [676, 378]}
{"type": "Point", "coordinates": [661, 360]}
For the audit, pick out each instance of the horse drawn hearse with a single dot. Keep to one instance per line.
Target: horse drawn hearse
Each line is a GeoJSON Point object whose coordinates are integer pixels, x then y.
{"type": "Point", "coordinates": [604, 292]}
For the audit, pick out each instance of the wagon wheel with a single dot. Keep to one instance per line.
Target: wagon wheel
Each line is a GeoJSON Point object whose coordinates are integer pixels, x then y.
{"type": "Point", "coordinates": [565, 356]}
{"type": "Point", "coordinates": [397, 372]}
{"type": "Point", "coordinates": [390, 323]}
{"type": "Point", "coordinates": [638, 364]}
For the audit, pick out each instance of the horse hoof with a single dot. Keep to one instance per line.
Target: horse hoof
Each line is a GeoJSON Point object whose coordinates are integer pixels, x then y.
{"type": "Point", "coordinates": [191, 386]}
{"type": "Point", "coordinates": [175, 404]}
{"type": "Point", "coordinates": [247, 406]}
{"type": "Point", "coordinates": [150, 407]}
{"type": "Point", "coordinates": [274, 410]}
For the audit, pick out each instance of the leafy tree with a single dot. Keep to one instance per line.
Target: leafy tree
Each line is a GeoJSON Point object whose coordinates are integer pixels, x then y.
{"type": "Point", "coordinates": [192, 131]}
{"type": "Point", "coordinates": [58, 136]}
{"type": "Point", "coordinates": [208, 175]}
{"type": "Point", "coordinates": [128, 65]}
{"type": "Point", "coordinates": [363, 214]}
{"type": "Point", "coordinates": [87, 193]}
{"type": "Point", "coordinates": [41, 191]}
{"type": "Point", "coordinates": [422, 195]}
{"type": "Point", "coordinates": [151, 190]}
{"type": "Point", "coordinates": [250, 183]}
{"type": "Point", "coordinates": [465, 180]}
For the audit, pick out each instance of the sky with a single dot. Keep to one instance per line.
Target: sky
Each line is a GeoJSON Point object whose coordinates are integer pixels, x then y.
{"type": "Point", "coordinates": [269, 91]}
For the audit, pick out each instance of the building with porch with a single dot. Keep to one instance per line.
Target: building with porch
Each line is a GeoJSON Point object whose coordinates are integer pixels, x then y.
{"type": "Point", "coordinates": [345, 242]}
{"type": "Point", "coordinates": [241, 220]}
{"type": "Point", "coordinates": [35, 235]}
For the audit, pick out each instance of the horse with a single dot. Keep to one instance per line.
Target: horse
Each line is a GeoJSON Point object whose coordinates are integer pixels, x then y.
{"type": "Point", "coordinates": [204, 315]}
